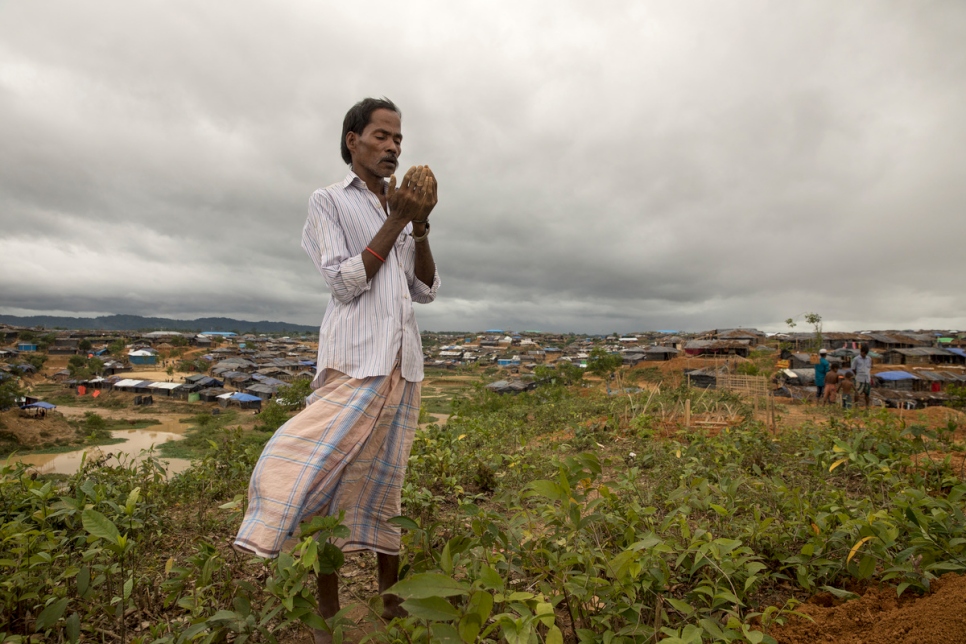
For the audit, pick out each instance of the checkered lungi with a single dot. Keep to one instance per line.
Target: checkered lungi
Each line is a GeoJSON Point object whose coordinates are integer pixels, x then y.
{"type": "Point", "coordinates": [347, 450]}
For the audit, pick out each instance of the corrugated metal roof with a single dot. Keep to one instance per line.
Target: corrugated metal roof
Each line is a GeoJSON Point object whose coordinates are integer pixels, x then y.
{"type": "Point", "coordinates": [164, 385]}
{"type": "Point", "coordinates": [922, 351]}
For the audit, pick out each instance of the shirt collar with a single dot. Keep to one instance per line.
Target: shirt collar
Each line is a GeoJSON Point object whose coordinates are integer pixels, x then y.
{"type": "Point", "coordinates": [352, 179]}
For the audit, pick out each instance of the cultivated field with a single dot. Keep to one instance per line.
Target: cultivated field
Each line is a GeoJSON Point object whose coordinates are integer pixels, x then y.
{"type": "Point", "coordinates": [659, 513]}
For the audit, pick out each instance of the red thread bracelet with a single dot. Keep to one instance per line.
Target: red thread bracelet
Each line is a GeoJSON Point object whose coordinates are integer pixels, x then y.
{"type": "Point", "coordinates": [376, 255]}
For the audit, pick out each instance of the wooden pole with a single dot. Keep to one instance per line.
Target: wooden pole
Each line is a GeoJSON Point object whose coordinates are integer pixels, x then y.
{"type": "Point", "coordinates": [687, 413]}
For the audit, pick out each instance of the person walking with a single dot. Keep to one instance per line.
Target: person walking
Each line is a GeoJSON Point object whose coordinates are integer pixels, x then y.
{"type": "Point", "coordinates": [348, 449]}
{"type": "Point", "coordinates": [821, 369]}
{"type": "Point", "coordinates": [862, 367]}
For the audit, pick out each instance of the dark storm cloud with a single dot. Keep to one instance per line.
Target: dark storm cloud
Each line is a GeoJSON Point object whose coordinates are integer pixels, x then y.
{"type": "Point", "coordinates": [658, 165]}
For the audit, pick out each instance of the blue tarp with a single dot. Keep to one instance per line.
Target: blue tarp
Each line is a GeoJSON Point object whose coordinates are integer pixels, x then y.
{"type": "Point", "coordinates": [244, 397]}
{"type": "Point", "coordinates": [39, 405]}
{"type": "Point", "coordinates": [896, 375]}
{"type": "Point", "coordinates": [957, 351]}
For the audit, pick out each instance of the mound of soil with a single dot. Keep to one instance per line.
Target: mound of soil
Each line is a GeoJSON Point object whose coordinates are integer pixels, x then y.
{"type": "Point", "coordinates": [935, 418]}
{"type": "Point", "coordinates": [22, 430]}
{"type": "Point", "coordinates": [878, 617]}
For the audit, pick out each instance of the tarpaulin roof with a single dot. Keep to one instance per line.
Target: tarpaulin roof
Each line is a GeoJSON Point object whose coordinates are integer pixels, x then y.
{"type": "Point", "coordinates": [244, 397]}
{"type": "Point", "coordinates": [896, 375]}
{"type": "Point", "coordinates": [957, 351]}
{"type": "Point", "coordinates": [39, 405]}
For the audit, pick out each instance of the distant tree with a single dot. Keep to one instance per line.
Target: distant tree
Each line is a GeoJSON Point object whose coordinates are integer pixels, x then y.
{"type": "Point", "coordinates": [603, 363]}
{"type": "Point", "coordinates": [116, 348]}
{"type": "Point", "coordinates": [95, 365]}
{"type": "Point", "coordinates": [36, 360]}
{"type": "Point", "coordinates": [816, 321]}
{"type": "Point", "coordinates": [179, 341]}
{"type": "Point", "coordinates": [198, 365]}
{"type": "Point", "coordinates": [295, 393]}
{"type": "Point", "coordinates": [563, 372]}
{"type": "Point", "coordinates": [95, 426]}
{"type": "Point", "coordinates": [83, 368]}
{"type": "Point", "coordinates": [272, 416]}
{"type": "Point", "coordinates": [85, 345]}
{"type": "Point", "coordinates": [10, 391]}
{"type": "Point", "coordinates": [957, 396]}
{"type": "Point", "coordinates": [44, 342]}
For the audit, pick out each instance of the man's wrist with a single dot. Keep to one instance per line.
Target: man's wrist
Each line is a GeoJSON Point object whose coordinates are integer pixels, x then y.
{"type": "Point", "coordinates": [420, 231]}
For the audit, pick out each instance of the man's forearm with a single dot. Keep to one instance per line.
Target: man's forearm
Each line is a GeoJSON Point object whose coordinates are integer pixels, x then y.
{"type": "Point", "coordinates": [425, 265]}
{"type": "Point", "coordinates": [382, 244]}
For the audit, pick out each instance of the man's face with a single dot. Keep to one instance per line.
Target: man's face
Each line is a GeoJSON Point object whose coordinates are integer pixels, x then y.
{"type": "Point", "coordinates": [376, 151]}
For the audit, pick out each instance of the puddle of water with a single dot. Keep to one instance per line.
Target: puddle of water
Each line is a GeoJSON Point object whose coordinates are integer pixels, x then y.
{"type": "Point", "coordinates": [135, 440]}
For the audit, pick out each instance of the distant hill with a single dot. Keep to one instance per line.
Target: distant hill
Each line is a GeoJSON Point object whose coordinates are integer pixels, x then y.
{"type": "Point", "coordinates": [140, 323]}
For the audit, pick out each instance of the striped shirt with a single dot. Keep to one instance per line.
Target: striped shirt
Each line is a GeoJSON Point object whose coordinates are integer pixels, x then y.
{"type": "Point", "coordinates": [367, 324]}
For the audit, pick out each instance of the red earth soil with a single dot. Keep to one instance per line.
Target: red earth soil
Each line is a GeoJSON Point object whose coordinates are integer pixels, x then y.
{"type": "Point", "coordinates": [878, 617]}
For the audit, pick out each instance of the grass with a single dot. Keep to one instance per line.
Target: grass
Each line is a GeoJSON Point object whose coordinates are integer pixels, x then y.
{"type": "Point", "coordinates": [437, 404]}
{"type": "Point", "coordinates": [205, 434]}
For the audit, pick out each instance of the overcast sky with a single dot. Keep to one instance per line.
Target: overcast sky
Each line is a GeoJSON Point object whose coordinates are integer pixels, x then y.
{"type": "Point", "coordinates": [658, 165]}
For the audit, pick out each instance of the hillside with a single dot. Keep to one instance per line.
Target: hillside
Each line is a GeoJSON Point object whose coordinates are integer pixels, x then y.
{"type": "Point", "coordinates": [140, 323]}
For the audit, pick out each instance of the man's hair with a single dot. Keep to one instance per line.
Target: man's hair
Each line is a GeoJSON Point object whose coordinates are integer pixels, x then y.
{"type": "Point", "coordinates": [358, 117]}
{"type": "Point", "coordinates": [864, 348]}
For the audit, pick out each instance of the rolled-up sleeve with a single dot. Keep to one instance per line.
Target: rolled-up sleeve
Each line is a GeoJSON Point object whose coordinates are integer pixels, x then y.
{"type": "Point", "coordinates": [424, 294]}
{"type": "Point", "coordinates": [324, 241]}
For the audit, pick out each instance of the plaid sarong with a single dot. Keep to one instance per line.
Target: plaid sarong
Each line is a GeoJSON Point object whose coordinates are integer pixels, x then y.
{"type": "Point", "coordinates": [347, 450]}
